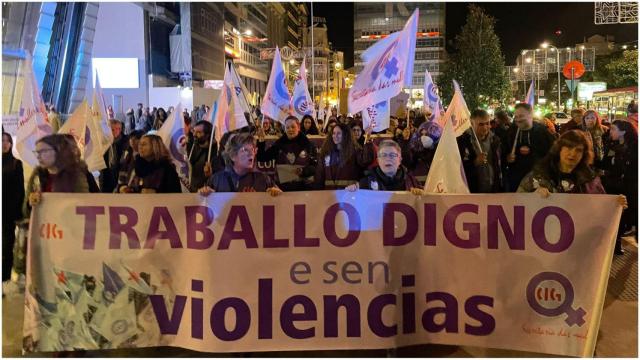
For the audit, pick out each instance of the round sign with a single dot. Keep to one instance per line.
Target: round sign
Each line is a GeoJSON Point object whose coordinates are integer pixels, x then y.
{"type": "Point", "coordinates": [286, 52]}
{"type": "Point", "coordinates": [578, 69]}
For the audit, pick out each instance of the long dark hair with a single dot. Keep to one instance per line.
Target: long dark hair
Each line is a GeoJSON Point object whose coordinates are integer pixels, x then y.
{"type": "Point", "coordinates": [348, 146]}
{"type": "Point", "coordinates": [550, 163]}
{"type": "Point", "coordinates": [630, 133]}
{"type": "Point", "coordinates": [313, 130]}
{"type": "Point", "coordinates": [68, 163]}
{"type": "Point", "coordinates": [8, 160]}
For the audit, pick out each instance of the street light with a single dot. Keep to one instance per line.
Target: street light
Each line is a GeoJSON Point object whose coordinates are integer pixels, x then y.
{"type": "Point", "coordinates": [546, 45]}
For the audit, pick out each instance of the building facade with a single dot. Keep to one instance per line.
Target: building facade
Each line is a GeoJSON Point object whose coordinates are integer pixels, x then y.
{"type": "Point", "coordinates": [374, 21]}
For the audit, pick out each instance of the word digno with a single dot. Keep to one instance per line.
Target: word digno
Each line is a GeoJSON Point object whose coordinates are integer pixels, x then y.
{"type": "Point", "coordinates": [288, 53]}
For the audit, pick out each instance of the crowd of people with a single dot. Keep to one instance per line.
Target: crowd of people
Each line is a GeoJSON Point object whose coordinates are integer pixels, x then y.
{"type": "Point", "coordinates": [585, 155]}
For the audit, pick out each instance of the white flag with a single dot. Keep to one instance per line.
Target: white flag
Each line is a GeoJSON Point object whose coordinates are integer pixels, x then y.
{"type": "Point", "coordinates": [377, 114]}
{"type": "Point", "coordinates": [173, 136]}
{"type": "Point", "coordinates": [33, 122]}
{"type": "Point", "coordinates": [531, 95]}
{"type": "Point", "coordinates": [76, 125]}
{"type": "Point", "coordinates": [388, 68]}
{"type": "Point", "coordinates": [98, 142]}
{"type": "Point", "coordinates": [446, 174]}
{"type": "Point", "coordinates": [135, 281]}
{"type": "Point", "coordinates": [301, 102]}
{"type": "Point", "coordinates": [432, 101]}
{"type": "Point", "coordinates": [241, 90]}
{"type": "Point", "coordinates": [229, 113]}
{"type": "Point", "coordinates": [117, 322]}
{"type": "Point", "coordinates": [277, 101]}
{"type": "Point", "coordinates": [457, 112]}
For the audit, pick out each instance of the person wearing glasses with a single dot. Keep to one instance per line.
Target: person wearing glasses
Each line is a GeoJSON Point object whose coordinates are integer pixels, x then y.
{"type": "Point", "coordinates": [389, 175]}
{"type": "Point", "coordinates": [240, 174]}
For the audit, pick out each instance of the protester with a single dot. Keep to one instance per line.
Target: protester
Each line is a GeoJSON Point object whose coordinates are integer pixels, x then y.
{"type": "Point", "coordinates": [199, 157]}
{"type": "Point", "coordinates": [632, 113]}
{"type": "Point", "coordinates": [309, 126]}
{"type": "Point", "coordinates": [620, 165]}
{"type": "Point", "coordinates": [291, 150]}
{"type": "Point", "coordinates": [592, 124]}
{"type": "Point", "coordinates": [421, 149]}
{"type": "Point", "coordinates": [12, 200]}
{"type": "Point", "coordinates": [145, 122]}
{"type": "Point", "coordinates": [341, 160]}
{"type": "Point", "coordinates": [549, 120]}
{"type": "Point", "coordinates": [110, 113]}
{"type": "Point", "coordinates": [481, 155]}
{"type": "Point", "coordinates": [389, 175]}
{"type": "Point", "coordinates": [528, 142]}
{"type": "Point", "coordinates": [109, 177]}
{"type": "Point", "coordinates": [91, 181]}
{"type": "Point", "coordinates": [153, 170]}
{"type": "Point", "coordinates": [574, 123]}
{"type": "Point", "coordinates": [503, 123]}
{"type": "Point", "coordinates": [159, 119]}
{"type": "Point", "coordinates": [139, 111]}
{"type": "Point", "coordinates": [240, 174]}
{"type": "Point", "coordinates": [127, 162]}
{"type": "Point", "coordinates": [60, 169]}
{"type": "Point", "coordinates": [129, 121]}
{"type": "Point", "coordinates": [357, 132]}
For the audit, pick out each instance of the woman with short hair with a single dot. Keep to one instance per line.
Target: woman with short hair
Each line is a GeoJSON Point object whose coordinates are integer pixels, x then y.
{"type": "Point", "coordinates": [240, 174]}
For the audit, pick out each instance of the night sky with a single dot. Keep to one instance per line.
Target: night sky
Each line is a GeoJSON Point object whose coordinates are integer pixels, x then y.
{"type": "Point", "coordinates": [519, 25]}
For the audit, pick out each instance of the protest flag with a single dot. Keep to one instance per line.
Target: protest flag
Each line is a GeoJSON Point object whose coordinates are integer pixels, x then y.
{"type": "Point", "coordinates": [457, 113]}
{"type": "Point", "coordinates": [301, 102]}
{"type": "Point", "coordinates": [446, 174]}
{"type": "Point", "coordinates": [33, 122]}
{"type": "Point", "coordinates": [432, 101]}
{"type": "Point", "coordinates": [276, 103]}
{"type": "Point", "coordinates": [174, 138]}
{"type": "Point", "coordinates": [531, 95]}
{"type": "Point", "coordinates": [76, 125]}
{"type": "Point", "coordinates": [388, 68]}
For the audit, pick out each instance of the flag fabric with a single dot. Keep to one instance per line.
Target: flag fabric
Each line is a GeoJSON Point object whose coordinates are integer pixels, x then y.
{"type": "Point", "coordinates": [112, 283]}
{"type": "Point", "coordinates": [76, 125]}
{"type": "Point", "coordinates": [116, 322]}
{"type": "Point", "coordinates": [33, 122]}
{"type": "Point", "coordinates": [97, 141]}
{"type": "Point", "coordinates": [133, 280]}
{"type": "Point", "coordinates": [388, 67]}
{"type": "Point", "coordinates": [377, 114]}
{"type": "Point", "coordinates": [446, 174]}
{"type": "Point", "coordinates": [68, 285]}
{"type": "Point", "coordinates": [431, 98]}
{"type": "Point", "coordinates": [238, 85]}
{"type": "Point", "coordinates": [457, 113]}
{"type": "Point", "coordinates": [229, 113]}
{"type": "Point", "coordinates": [277, 101]}
{"type": "Point", "coordinates": [302, 103]}
{"type": "Point", "coordinates": [174, 138]}
{"type": "Point", "coordinates": [530, 95]}
{"type": "Point", "coordinates": [398, 105]}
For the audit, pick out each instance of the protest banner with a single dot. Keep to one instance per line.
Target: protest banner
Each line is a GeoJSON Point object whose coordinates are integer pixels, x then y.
{"type": "Point", "coordinates": [318, 270]}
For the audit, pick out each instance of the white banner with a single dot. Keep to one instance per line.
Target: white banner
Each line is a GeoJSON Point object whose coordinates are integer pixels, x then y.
{"type": "Point", "coordinates": [326, 270]}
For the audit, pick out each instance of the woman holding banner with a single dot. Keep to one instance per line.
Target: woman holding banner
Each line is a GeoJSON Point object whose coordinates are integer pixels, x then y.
{"type": "Point", "coordinates": [341, 161]}
{"type": "Point", "coordinates": [12, 199]}
{"type": "Point", "coordinates": [240, 174]}
{"type": "Point", "coordinates": [153, 170]}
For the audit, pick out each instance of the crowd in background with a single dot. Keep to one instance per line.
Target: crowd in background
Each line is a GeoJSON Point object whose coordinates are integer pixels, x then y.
{"type": "Point", "coordinates": [502, 152]}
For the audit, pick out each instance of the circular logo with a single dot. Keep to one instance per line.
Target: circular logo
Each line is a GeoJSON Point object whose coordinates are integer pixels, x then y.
{"type": "Point", "coordinates": [550, 294]}
{"type": "Point", "coordinates": [119, 327]}
{"type": "Point", "coordinates": [432, 93]}
{"type": "Point", "coordinates": [281, 87]}
{"type": "Point", "coordinates": [286, 52]}
{"type": "Point", "coordinates": [301, 105]}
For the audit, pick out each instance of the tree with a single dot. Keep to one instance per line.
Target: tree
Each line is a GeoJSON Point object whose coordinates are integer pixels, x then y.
{"type": "Point", "coordinates": [478, 63]}
{"type": "Point", "coordinates": [623, 71]}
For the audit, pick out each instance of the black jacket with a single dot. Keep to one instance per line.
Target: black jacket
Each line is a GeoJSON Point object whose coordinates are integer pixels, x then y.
{"type": "Point", "coordinates": [297, 151]}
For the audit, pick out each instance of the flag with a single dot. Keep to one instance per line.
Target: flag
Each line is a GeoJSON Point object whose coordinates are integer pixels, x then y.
{"type": "Point", "coordinates": [68, 285]}
{"type": "Point", "coordinates": [238, 85]}
{"type": "Point", "coordinates": [388, 67]}
{"type": "Point", "coordinates": [301, 102]}
{"type": "Point", "coordinates": [134, 280]}
{"type": "Point", "coordinates": [431, 98]}
{"type": "Point", "coordinates": [76, 125]}
{"type": "Point", "coordinates": [75, 332]}
{"type": "Point", "coordinates": [277, 101]}
{"type": "Point", "coordinates": [173, 136]}
{"type": "Point", "coordinates": [530, 95]}
{"type": "Point", "coordinates": [112, 283]}
{"type": "Point", "coordinates": [229, 113]}
{"type": "Point", "coordinates": [98, 141]}
{"type": "Point", "coordinates": [398, 105]}
{"type": "Point", "coordinates": [378, 114]}
{"type": "Point", "coordinates": [446, 174]}
{"type": "Point", "coordinates": [457, 112]}
{"type": "Point", "coordinates": [33, 122]}
{"type": "Point", "coordinates": [116, 322]}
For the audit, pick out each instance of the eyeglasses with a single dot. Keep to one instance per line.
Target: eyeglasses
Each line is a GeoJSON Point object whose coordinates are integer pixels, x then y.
{"type": "Point", "coordinates": [247, 150]}
{"type": "Point", "coordinates": [388, 155]}
{"type": "Point", "coordinates": [40, 152]}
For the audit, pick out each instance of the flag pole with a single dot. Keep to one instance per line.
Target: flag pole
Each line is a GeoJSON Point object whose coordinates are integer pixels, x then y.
{"type": "Point", "coordinates": [313, 63]}
{"type": "Point", "coordinates": [213, 129]}
{"type": "Point", "coordinates": [515, 141]}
